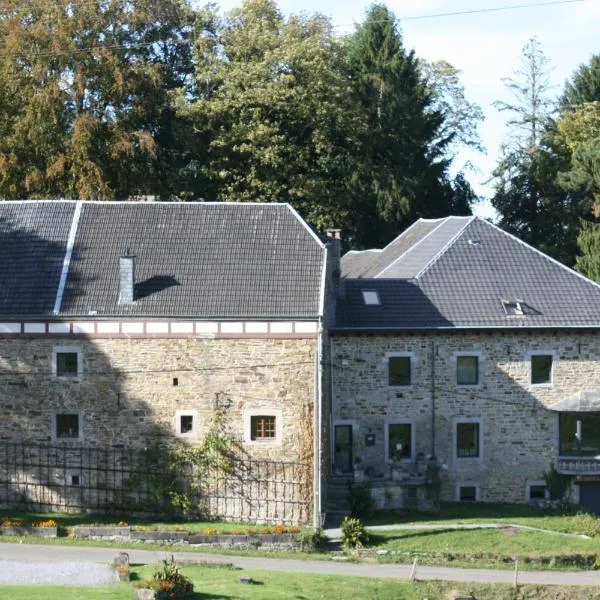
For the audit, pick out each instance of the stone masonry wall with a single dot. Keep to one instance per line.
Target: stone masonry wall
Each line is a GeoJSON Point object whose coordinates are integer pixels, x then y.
{"type": "Point", "coordinates": [131, 386]}
{"type": "Point", "coordinates": [519, 433]}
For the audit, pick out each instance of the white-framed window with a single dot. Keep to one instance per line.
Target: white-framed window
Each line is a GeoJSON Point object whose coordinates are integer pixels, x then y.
{"type": "Point", "coordinates": [399, 439]}
{"type": "Point", "coordinates": [468, 439]}
{"type": "Point", "coordinates": [263, 426]}
{"type": "Point", "coordinates": [467, 492]}
{"type": "Point", "coordinates": [536, 490]}
{"type": "Point", "coordinates": [67, 426]}
{"type": "Point", "coordinates": [468, 367]}
{"type": "Point", "coordinates": [399, 368]}
{"type": "Point", "coordinates": [74, 479]}
{"type": "Point", "coordinates": [67, 362]}
{"type": "Point", "coordinates": [541, 368]}
{"type": "Point", "coordinates": [186, 423]}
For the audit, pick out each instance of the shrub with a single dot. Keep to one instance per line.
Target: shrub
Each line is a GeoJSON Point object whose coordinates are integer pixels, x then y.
{"type": "Point", "coordinates": [587, 524]}
{"type": "Point", "coordinates": [557, 484]}
{"type": "Point", "coordinates": [354, 534]}
{"type": "Point", "coordinates": [310, 541]}
{"type": "Point", "coordinates": [168, 582]}
{"type": "Point", "coordinates": [360, 501]}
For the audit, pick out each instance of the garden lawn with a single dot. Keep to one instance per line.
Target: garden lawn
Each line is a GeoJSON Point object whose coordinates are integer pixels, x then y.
{"type": "Point", "coordinates": [485, 512]}
{"type": "Point", "coordinates": [219, 583]}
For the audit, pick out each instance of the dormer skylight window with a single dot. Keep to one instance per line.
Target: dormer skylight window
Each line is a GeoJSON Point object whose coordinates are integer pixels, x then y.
{"type": "Point", "coordinates": [513, 309]}
{"type": "Point", "coordinates": [370, 297]}
{"type": "Point", "coordinates": [518, 308]}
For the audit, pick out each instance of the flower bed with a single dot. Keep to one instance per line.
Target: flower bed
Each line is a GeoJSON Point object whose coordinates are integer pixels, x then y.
{"type": "Point", "coordinates": [48, 528]}
{"type": "Point", "coordinates": [167, 583]}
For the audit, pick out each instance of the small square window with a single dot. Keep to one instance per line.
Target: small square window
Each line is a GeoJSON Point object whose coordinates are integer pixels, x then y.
{"type": "Point", "coordinates": [67, 426]}
{"type": "Point", "coordinates": [262, 427]}
{"type": "Point", "coordinates": [467, 493]}
{"type": "Point", "coordinates": [541, 368]}
{"type": "Point", "coordinates": [67, 364]}
{"type": "Point", "coordinates": [467, 370]}
{"type": "Point", "coordinates": [399, 370]}
{"type": "Point", "coordinates": [186, 424]}
{"type": "Point", "coordinates": [537, 492]}
{"type": "Point", "coordinates": [467, 440]}
{"type": "Point", "coordinates": [75, 480]}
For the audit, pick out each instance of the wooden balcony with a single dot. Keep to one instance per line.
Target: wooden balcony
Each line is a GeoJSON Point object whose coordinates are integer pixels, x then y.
{"type": "Point", "coordinates": [578, 465]}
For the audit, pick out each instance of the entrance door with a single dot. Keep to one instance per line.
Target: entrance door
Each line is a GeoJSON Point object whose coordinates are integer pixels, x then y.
{"type": "Point", "coordinates": [342, 457]}
{"type": "Point", "coordinates": [589, 496]}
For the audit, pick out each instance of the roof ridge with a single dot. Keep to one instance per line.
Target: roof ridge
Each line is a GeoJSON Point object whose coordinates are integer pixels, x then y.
{"type": "Point", "coordinates": [141, 203]}
{"type": "Point", "coordinates": [446, 247]}
{"type": "Point", "coordinates": [413, 246]}
{"type": "Point", "coordinates": [546, 256]}
{"type": "Point", "coordinates": [405, 231]}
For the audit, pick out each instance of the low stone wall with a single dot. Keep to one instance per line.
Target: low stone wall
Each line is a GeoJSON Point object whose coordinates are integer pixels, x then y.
{"type": "Point", "coordinates": [29, 530]}
{"type": "Point", "coordinates": [265, 541]}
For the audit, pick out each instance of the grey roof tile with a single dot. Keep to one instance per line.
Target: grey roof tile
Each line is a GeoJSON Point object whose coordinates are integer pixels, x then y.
{"type": "Point", "coordinates": [197, 260]}
{"type": "Point", "coordinates": [33, 243]}
{"type": "Point", "coordinates": [465, 283]}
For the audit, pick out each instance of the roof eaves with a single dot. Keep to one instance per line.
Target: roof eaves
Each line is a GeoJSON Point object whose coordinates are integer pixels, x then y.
{"type": "Point", "coordinates": [442, 221]}
{"type": "Point", "coordinates": [445, 248]}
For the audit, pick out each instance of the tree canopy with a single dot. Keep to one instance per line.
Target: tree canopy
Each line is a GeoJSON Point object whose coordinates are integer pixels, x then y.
{"type": "Point", "coordinates": [117, 99]}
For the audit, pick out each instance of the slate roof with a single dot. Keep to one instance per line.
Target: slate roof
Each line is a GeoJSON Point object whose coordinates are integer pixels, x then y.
{"type": "Point", "coordinates": [456, 273]}
{"type": "Point", "coordinates": [194, 260]}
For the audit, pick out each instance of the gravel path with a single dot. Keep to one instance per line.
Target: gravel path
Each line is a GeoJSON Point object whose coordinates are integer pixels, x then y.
{"type": "Point", "coordinates": [49, 572]}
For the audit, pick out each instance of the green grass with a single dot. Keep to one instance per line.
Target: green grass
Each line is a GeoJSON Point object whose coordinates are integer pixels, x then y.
{"type": "Point", "coordinates": [509, 542]}
{"type": "Point", "coordinates": [483, 512]}
{"type": "Point", "coordinates": [219, 583]}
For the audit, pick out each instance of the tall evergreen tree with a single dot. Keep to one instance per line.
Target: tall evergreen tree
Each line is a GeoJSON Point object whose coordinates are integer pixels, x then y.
{"type": "Point", "coordinates": [403, 170]}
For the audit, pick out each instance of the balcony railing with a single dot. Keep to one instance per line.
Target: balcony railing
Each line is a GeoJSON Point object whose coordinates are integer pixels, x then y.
{"type": "Point", "coordinates": [578, 465]}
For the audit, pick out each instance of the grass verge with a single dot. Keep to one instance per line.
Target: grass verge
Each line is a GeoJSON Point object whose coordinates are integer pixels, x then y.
{"type": "Point", "coordinates": [223, 584]}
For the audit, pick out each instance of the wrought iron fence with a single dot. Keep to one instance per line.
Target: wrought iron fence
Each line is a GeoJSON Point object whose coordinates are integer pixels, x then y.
{"type": "Point", "coordinates": [71, 479]}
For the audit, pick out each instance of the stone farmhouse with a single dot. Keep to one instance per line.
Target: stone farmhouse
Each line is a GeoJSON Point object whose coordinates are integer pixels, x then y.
{"type": "Point", "coordinates": [461, 342]}
{"type": "Point", "coordinates": [118, 319]}
{"type": "Point", "coordinates": [121, 322]}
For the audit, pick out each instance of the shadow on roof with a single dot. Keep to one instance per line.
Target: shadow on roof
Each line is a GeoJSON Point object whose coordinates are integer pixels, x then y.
{"type": "Point", "coordinates": [154, 284]}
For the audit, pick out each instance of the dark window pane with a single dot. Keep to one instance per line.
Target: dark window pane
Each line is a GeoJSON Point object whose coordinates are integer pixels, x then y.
{"type": "Point", "coordinates": [467, 440]}
{"type": "Point", "coordinates": [541, 368]}
{"type": "Point", "coordinates": [399, 370]}
{"type": "Point", "coordinates": [589, 445]}
{"type": "Point", "coordinates": [186, 423]}
{"type": "Point", "coordinates": [468, 493]}
{"type": "Point", "coordinates": [67, 426]}
{"type": "Point", "coordinates": [399, 441]}
{"type": "Point", "coordinates": [467, 368]}
{"type": "Point", "coordinates": [66, 364]}
{"type": "Point", "coordinates": [537, 492]}
{"type": "Point", "coordinates": [262, 427]}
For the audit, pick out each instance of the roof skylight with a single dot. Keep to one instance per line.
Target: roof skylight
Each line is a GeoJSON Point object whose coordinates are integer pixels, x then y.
{"type": "Point", "coordinates": [371, 297]}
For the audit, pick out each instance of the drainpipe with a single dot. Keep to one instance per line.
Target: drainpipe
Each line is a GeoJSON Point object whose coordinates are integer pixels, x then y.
{"type": "Point", "coordinates": [317, 450]}
{"type": "Point", "coordinates": [432, 398]}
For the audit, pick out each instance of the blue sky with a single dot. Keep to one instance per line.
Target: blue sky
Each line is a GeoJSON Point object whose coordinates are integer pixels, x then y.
{"type": "Point", "coordinates": [485, 46]}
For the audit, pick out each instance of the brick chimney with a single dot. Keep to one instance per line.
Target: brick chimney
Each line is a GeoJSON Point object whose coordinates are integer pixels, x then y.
{"type": "Point", "coordinates": [127, 278]}
{"type": "Point", "coordinates": [334, 247]}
